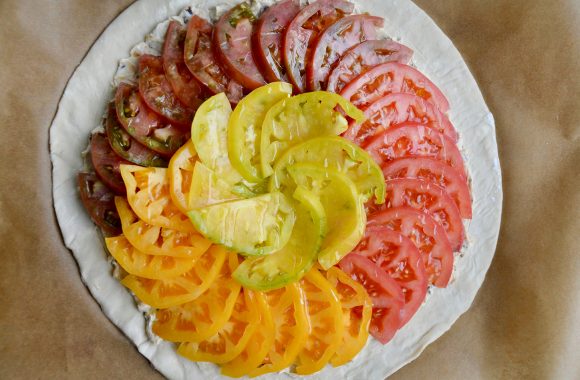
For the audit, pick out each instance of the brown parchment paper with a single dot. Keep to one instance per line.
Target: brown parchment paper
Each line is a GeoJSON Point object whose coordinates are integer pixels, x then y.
{"type": "Point", "coordinates": [525, 321]}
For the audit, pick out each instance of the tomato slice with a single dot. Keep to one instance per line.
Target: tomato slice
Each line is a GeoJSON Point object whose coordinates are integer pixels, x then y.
{"type": "Point", "coordinates": [326, 323]}
{"type": "Point", "coordinates": [414, 140]}
{"type": "Point", "coordinates": [144, 125]}
{"type": "Point", "coordinates": [158, 94]}
{"type": "Point", "coordinates": [233, 46]}
{"type": "Point", "coordinates": [435, 171]}
{"type": "Point", "coordinates": [180, 173]}
{"type": "Point", "coordinates": [396, 109]}
{"type": "Point", "coordinates": [385, 294]}
{"type": "Point", "coordinates": [267, 39]}
{"type": "Point", "coordinates": [302, 33]}
{"type": "Point", "coordinates": [428, 235]}
{"type": "Point", "coordinates": [357, 309]}
{"type": "Point", "coordinates": [202, 63]}
{"type": "Point", "coordinates": [334, 41]}
{"type": "Point", "coordinates": [98, 200]}
{"type": "Point", "coordinates": [396, 254]}
{"type": "Point", "coordinates": [392, 77]}
{"type": "Point", "coordinates": [175, 291]}
{"type": "Point", "coordinates": [187, 89]}
{"type": "Point", "coordinates": [362, 57]}
{"type": "Point", "coordinates": [106, 163]}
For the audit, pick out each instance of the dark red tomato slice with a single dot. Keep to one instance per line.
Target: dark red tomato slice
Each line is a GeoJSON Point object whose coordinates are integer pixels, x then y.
{"type": "Point", "coordinates": [435, 171]}
{"type": "Point", "coordinates": [202, 63]}
{"type": "Point", "coordinates": [427, 235]}
{"type": "Point", "coordinates": [158, 94]}
{"type": "Point", "coordinates": [392, 77]}
{"type": "Point", "coordinates": [362, 57]}
{"type": "Point", "coordinates": [396, 254]}
{"type": "Point", "coordinates": [144, 125]}
{"type": "Point", "coordinates": [394, 109]}
{"type": "Point", "coordinates": [267, 39]}
{"type": "Point", "coordinates": [302, 33]}
{"type": "Point", "coordinates": [233, 46]}
{"type": "Point", "coordinates": [333, 42]}
{"type": "Point", "coordinates": [429, 197]}
{"type": "Point", "coordinates": [187, 89]}
{"type": "Point", "coordinates": [385, 293]}
{"type": "Point", "coordinates": [414, 140]}
{"type": "Point", "coordinates": [99, 201]}
{"type": "Point", "coordinates": [106, 163]}
{"type": "Point", "coordinates": [126, 146]}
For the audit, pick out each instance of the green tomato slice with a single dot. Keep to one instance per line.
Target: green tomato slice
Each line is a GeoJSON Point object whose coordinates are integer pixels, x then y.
{"type": "Point", "coordinates": [336, 153]}
{"type": "Point", "coordinates": [208, 189]}
{"type": "Point", "coordinates": [294, 260]}
{"type": "Point", "coordinates": [245, 128]}
{"type": "Point", "coordinates": [302, 117]}
{"type": "Point", "coordinates": [343, 206]}
{"type": "Point", "coordinates": [255, 226]}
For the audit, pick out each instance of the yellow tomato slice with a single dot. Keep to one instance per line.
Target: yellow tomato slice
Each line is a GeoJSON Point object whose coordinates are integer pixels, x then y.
{"type": "Point", "coordinates": [162, 294]}
{"type": "Point", "coordinates": [148, 195]}
{"type": "Point", "coordinates": [143, 265]}
{"type": "Point", "coordinates": [155, 240]}
{"type": "Point", "coordinates": [258, 346]}
{"type": "Point", "coordinates": [327, 327]}
{"type": "Point", "coordinates": [203, 317]}
{"type": "Point", "coordinates": [291, 328]}
{"type": "Point", "coordinates": [356, 309]}
{"type": "Point", "coordinates": [180, 171]}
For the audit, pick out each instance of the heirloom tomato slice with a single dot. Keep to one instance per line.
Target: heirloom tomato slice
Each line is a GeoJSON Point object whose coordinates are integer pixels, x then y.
{"type": "Point", "coordinates": [207, 188]}
{"type": "Point", "coordinates": [180, 173]}
{"type": "Point", "coordinates": [245, 128]}
{"type": "Point", "coordinates": [357, 309]}
{"type": "Point", "coordinates": [98, 201]}
{"type": "Point", "coordinates": [291, 328]}
{"type": "Point", "coordinates": [299, 118]}
{"type": "Point", "coordinates": [202, 318]}
{"type": "Point", "coordinates": [106, 163]}
{"type": "Point", "coordinates": [148, 266]}
{"type": "Point", "coordinates": [171, 292]}
{"type": "Point", "coordinates": [326, 323]}
{"type": "Point", "coordinates": [148, 195]}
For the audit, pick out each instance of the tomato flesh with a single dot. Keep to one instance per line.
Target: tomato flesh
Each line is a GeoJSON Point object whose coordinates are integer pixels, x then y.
{"type": "Point", "coordinates": [106, 163]}
{"type": "Point", "coordinates": [99, 201]}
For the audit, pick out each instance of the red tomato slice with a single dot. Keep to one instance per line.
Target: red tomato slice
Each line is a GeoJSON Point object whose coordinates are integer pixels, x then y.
{"type": "Point", "coordinates": [187, 89]}
{"type": "Point", "coordinates": [99, 201]}
{"type": "Point", "coordinates": [202, 63]}
{"type": "Point", "coordinates": [362, 57]}
{"type": "Point", "coordinates": [397, 255]}
{"type": "Point", "coordinates": [427, 235]}
{"type": "Point", "coordinates": [267, 39]}
{"type": "Point", "coordinates": [414, 140]}
{"type": "Point", "coordinates": [233, 41]}
{"type": "Point", "coordinates": [435, 171]}
{"type": "Point", "coordinates": [302, 33]}
{"type": "Point", "coordinates": [394, 109]}
{"type": "Point", "coordinates": [144, 125]}
{"type": "Point", "coordinates": [385, 293]}
{"type": "Point", "coordinates": [334, 41]}
{"type": "Point", "coordinates": [106, 163]}
{"type": "Point", "coordinates": [158, 94]}
{"type": "Point", "coordinates": [392, 77]}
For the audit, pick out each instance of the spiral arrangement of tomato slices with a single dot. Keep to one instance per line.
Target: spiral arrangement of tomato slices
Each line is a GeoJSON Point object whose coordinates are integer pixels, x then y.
{"type": "Point", "coordinates": [145, 174]}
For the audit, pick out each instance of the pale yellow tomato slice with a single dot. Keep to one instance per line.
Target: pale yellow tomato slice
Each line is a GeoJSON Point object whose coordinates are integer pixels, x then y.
{"type": "Point", "coordinates": [162, 294]}
{"type": "Point", "coordinates": [203, 317]}
{"type": "Point", "coordinates": [207, 188]}
{"type": "Point", "coordinates": [180, 171]}
{"type": "Point", "coordinates": [148, 195]}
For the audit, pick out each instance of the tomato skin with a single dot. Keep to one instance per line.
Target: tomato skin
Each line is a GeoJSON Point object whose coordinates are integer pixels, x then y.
{"type": "Point", "coordinates": [334, 41]}
{"type": "Point", "coordinates": [392, 77]}
{"type": "Point", "coordinates": [99, 202]}
{"type": "Point", "coordinates": [303, 31]}
{"type": "Point", "coordinates": [385, 293]}
{"type": "Point", "coordinates": [362, 57]}
{"type": "Point", "coordinates": [106, 163]}
{"type": "Point", "coordinates": [435, 171]}
{"type": "Point", "coordinates": [267, 39]}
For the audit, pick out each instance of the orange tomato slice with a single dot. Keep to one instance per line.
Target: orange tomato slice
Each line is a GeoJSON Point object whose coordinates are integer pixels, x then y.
{"type": "Point", "coordinates": [203, 317]}
{"type": "Point", "coordinates": [143, 265]}
{"type": "Point", "coordinates": [356, 309]}
{"type": "Point", "coordinates": [162, 294]}
{"type": "Point", "coordinates": [180, 171]}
